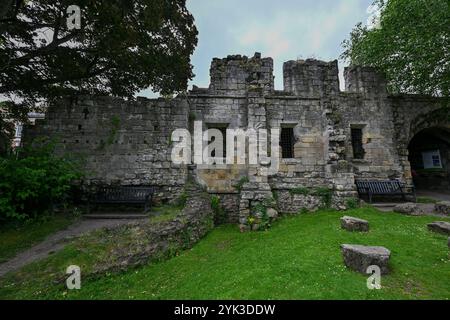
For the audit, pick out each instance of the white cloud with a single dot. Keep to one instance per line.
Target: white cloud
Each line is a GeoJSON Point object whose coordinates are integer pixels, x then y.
{"type": "Point", "coordinates": [272, 42]}
{"type": "Point", "coordinates": [284, 30]}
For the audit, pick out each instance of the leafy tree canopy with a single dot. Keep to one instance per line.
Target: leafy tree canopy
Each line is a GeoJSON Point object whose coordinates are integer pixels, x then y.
{"type": "Point", "coordinates": [411, 45]}
{"type": "Point", "coordinates": [122, 47]}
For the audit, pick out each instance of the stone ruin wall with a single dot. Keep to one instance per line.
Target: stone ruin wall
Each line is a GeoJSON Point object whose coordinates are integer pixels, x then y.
{"type": "Point", "coordinates": [129, 142]}
{"type": "Point", "coordinates": [119, 142]}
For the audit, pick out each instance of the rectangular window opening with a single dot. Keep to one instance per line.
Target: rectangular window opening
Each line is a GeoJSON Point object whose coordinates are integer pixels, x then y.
{"type": "Point", "coordinates": [287, 143]}
{"type": "Point", "coordinates": [223, 130]}
{"type": "Point", "coordinates": [357, 143]}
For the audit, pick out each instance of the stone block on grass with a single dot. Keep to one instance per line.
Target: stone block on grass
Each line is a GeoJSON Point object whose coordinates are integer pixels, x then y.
{"type": "Point", "coordinates": [408, 208]}
{"type": "Point", "coordinates": [359, 257]}
{"type": "Point", "coordinates": [439, 227]}
{"type": "Point", "coordinates": [354, 224]}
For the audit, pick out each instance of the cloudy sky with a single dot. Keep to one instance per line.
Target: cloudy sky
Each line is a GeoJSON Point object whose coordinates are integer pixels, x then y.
{"type": "Point", "coordinates": [283, 30]}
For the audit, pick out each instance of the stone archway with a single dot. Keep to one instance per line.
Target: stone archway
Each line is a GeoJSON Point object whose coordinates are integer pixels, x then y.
{"type": "Point", "coordinates": [429, 158]}
{"type": "Point", "coordinates": [429, 150]}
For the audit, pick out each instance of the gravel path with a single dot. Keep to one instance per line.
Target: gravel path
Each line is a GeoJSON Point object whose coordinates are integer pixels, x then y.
{"type": "Point", "coordinates": [57, 241]}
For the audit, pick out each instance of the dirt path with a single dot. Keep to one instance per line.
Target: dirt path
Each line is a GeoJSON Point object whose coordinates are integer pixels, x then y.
{"type": "Point", "coordinates": [57, 241]}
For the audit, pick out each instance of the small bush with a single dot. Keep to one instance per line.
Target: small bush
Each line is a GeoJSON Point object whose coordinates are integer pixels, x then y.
{"type": "Point", "coordinates": [182, 199]}
{"type": "Point", "coordinates": [241, 182]}
{"type": "Point", "coordinates": [352, 203]}
{"type": "Point", "coordinates": [275, 196]}
{"type": "Point", "coordinates": [31, 183]}
{"type": "Point", "coordinates": [326, 196]}
{"type": "Point", "coordinates": [192, 116]}
{"type": "Point", "coordinates": [220, 216]}
{"type": "Point", "coordinates": [264, 221]}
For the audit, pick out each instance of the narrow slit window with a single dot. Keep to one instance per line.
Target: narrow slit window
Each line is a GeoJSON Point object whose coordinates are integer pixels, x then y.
{"type": "Point", "coordinates": [357, 143]}
{"type": "Point", "coordinates": [287, 143]}
{"type": "Point", "coordinates": [223, 130]}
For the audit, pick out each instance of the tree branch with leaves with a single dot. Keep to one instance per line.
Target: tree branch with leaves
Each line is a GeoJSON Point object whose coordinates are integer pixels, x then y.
{"type": "Point", "coordinates": [123, 46]}
{"type": "Point", "coordinates": [411, 45]}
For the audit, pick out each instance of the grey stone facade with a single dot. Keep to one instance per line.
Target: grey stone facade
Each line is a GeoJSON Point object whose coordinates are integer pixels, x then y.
{"type": "Point", "coordinates": [130, 142]}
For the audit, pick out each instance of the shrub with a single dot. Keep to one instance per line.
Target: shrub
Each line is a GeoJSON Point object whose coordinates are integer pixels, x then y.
{"type": "Point", "coordinates": [352, 203]}
{"type": "Point", "coordinates": [326, 196]}
{"type": "Point", "coordinates": [241, 182]}
{"type": "Point", "coordinates": [275, 196]}
{"type": "Point", "coordinates": [264, 221]}
{"type": "Point", "coordinates": [181, 200]}
{"type": "Point", "coordinates": [32, 183]}
{"type": "Point", "coordinates": [219, 213]}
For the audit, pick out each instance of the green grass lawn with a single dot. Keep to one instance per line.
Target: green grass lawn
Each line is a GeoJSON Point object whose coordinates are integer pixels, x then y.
{"type": "Point", "coordinates": [298, 258]}
{"type": "Point", "coordinates": [17, 237]}
{"type": "Point", "coordinates": [164, 213]}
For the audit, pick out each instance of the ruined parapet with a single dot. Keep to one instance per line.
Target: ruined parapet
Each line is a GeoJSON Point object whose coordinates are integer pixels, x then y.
{"type": "Point", "coordinates": [235, 74]}
{"type": "Point", "coordinates": [309, 78]}
{"type": "Point", "coordinates": [365, 80]}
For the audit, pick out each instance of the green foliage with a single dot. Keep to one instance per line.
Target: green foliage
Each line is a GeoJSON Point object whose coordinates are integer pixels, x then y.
{"type": "Point", "coordinates": [326, 196]}
{"type": "Point", "coordinates": [275, 196]}
{"type": "Point", "coordinates": [269, 202]}
{"type": "Point", "coordinates": [260, 212]}
{"type": "Point", "coordinates": [121, 48]}
{"type": "Point", "coordinates": [220, 216]}
{"type": "Point", "coordinates": [9, 111]}
{"type": "Point", "coordinates": [31, 183]}
{"type": "Point", "coordinates": [300, 190]}
{"type": "Point", "coordinates": [182, 199]}
{"type": "Point", "coordinates": [192, 116]}
{"type": "Point", "coordinates": [241, 182]}
{"type": "Point", "coordinates": [410, 46]}
{"type": "Point", "coordinates": [352, 203]}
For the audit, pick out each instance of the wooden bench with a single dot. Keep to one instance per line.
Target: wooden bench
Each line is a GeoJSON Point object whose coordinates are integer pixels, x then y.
{"type": "Point", "coordinates": [384, 188]}
{"type": "Point", "coordinates": [122, 195]}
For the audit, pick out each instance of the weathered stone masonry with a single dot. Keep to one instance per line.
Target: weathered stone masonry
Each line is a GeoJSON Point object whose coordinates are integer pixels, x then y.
{"type": "Point", "coordinates": [129, 142]}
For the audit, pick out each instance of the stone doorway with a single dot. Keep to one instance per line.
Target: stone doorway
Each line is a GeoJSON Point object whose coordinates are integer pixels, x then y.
{"type": "Point", "coordinates": [429, 157]}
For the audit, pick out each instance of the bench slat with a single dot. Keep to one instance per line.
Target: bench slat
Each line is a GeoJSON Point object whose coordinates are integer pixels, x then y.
{"type": "Point", "coordinates": [123, 194]}
{"type": "Point", "coordinates": [382, 187]}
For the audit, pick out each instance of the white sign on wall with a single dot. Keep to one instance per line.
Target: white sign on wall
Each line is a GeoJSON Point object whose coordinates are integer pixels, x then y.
{"type": "Point", "coordinates": [431, 159]}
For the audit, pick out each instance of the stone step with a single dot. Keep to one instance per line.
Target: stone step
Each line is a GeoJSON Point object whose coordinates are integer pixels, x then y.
{"type": "Point", "coordinates": [115, 216]}
{"type": "Point", "coordinates": [384, 205]}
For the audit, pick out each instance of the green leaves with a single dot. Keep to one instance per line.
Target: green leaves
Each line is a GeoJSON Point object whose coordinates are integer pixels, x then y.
{"type": "Point", "coordinates": [412, 46]}
{"type": "Point", "coordinates": [30, 184]}
{"type": "Point", "coordinates": [122, 47]}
